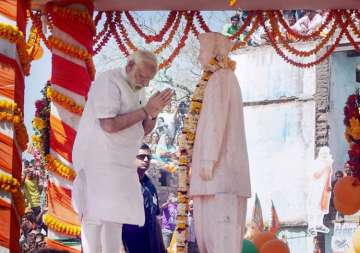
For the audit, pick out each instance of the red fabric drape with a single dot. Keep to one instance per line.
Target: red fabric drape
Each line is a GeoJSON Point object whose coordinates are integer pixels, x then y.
{"type": "Point", "coordinates": [78, 31]}
{"type": "Point", "coordinates": [70, 76]}
{"type": "Point", "coordinates": [7, 82]}
{"type": "Point", "coordinates": [5, 209]}
{"type": "Point", "coordinates": [10, 160]}
{"type": "Point", "coordinates": [21, 15]}
{"type": "Point", "coordinates": [62, 138]}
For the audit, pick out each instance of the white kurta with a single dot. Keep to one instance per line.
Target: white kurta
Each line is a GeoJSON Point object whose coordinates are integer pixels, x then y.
{"type": "Point", "coordinates": [110, 188]}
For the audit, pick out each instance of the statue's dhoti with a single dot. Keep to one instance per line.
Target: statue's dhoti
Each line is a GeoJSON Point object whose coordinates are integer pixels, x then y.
{"type": "Point", "coordinates": [220, 222]}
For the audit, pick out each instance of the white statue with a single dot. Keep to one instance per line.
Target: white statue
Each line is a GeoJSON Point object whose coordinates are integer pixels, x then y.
{"type": "Point", "coordinates": [319, 191]}
{"type": "Point", "coordinates": [220, 181]}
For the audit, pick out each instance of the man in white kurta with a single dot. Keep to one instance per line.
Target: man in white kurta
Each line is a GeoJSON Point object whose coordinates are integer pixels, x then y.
{"type": "Point", "coordinates": [220, 181]}
{"type": "Point", "coordinates": [106, 192]}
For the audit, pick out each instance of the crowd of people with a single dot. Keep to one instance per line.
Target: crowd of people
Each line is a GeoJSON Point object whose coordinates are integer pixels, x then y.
{"type": "Point", "coordinates": [301, 21]}
{"type": "Point", "coordinates": [34, 184]}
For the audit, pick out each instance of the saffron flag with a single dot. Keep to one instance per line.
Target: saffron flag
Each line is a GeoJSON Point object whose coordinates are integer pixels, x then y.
{"type": "Point", "coordinates": [257, 217]}
{"type": "Point", "coordinates": [275, 222]}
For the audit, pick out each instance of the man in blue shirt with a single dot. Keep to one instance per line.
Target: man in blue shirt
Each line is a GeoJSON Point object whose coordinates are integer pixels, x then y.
{"type": "Point", "coordinates": [145, 239]}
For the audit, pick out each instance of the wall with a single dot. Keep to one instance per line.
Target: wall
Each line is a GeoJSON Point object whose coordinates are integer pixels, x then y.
{"type": "Point", "coordinates": [342, 84]}
{"type": "Point", "coordinates": [280, 129]}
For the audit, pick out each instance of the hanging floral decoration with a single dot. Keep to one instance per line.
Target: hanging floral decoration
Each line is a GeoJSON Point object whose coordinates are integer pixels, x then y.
{"type": "Point", "coordinates": [10, 112]}
{"type": "Point", "coordinates": [41, 123]}
{"type": "Point", "coordinates": [352, 132]}
{"type": "Point", "coordinates": [62, 227]}
{"type": "Point", "coordinates": [67, 103]}
{"type": "Point", "coordinates": [186, 142]}
{"type": "Point", "coordinates": [273, 38]}
{"type": "Point", "coordinates": [336, 25]}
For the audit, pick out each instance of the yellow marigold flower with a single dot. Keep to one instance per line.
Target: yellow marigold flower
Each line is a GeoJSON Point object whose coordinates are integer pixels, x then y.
{"type": "Point", "coordinates": [355, 128]}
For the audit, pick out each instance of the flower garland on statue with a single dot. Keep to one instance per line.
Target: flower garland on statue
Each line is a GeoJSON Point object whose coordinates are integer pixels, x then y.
{"type": "Point", "coordinates": [67, 103]}
{"type": "Point", "coordinates": [13, 35]}
{"type": "Point", "coordinates": [352, 132]}
{"type": "Point", "coordinates": [10, 112]}
{"type": "Point", "coordinates": [55, 165]}
{"type": "Point", "coordinates": [186, 142]}
{"type": "Point", "coordinates": [60, 226]}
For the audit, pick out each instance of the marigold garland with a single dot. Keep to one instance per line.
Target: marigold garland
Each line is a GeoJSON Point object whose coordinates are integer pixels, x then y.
{"type": "Point", "coordinates": [98, 17]}
{"type": "Point", "coordinates": [353, 27]}
{"type": "Point", "coordinates": [11, 113]}
{"type": "Point", "coordinates": [67, 103]}
{"type": "Point", "coordinates": [10, 107]}
{"type": "Point", "coordinates": [254, 27]}
{"type": "Point", "coordinates": [157, 37]}
{"type": "Point", "coordinates": [55, 165]}
{"type": "Point", "coordinates": [62, 227]}
{"type": "Point", "coordinates": [292, 50]}
{"type": "Point", "coordinates": [186, 142]}
{"type": "Point", "coordinates": [75, 52]}
{"type": "Point", "coordinates": [189, 17]}
{"type": "Point", "coordinates": [75, 15]}
{"type": "Point", "coordinates": [11, 185]}
{"type": "Point", "coordinates": [33, 43]}
{"type": "Point", "coordinates": [171, 34]}
{"type": "Point", "coordinates": [123, 31]}
{"type": "Point", "coordinates": [13, 35]}
{"type": "Point", "coordinates": [352, 132]}
{"type": "Point", "coordinates": [202, 22]}
{"type": "Point", "coordinates": [304, 37]}
{"type": "Point", "coordinates": [118, 39]}
{"type": "Point", "coordinates": [36, 21]}
{"type": "Point", "coordinates": [243, 26]}
{"type": "Point", "coordinates": [309, 64]}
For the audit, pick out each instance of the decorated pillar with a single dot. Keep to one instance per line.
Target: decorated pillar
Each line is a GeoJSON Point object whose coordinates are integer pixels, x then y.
{"type": "Point", "coordinates": [14, 64]}
{"type": "Point", "coordinates": [71, 41]}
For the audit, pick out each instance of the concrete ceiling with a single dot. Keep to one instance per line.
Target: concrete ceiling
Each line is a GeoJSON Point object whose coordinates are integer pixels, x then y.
{"type": "Point", "coordinates": [216, 4]}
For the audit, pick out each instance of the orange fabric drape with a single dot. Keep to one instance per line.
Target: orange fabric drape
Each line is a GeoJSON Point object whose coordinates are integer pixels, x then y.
{"type": "Point", "coordinates": [10, 160]}
{"type": "Point", "coordinates": [8, 8]}
{"type": "Point", "coordinates": [62, 137]}
{"type": "Point", "coordinates": [19, 80]}
{"type": "Point", "coordinates": [59, 246]}
{"type": "Point", "coordinates": [5, 213]}
{"type": "Point", "coordinates": [6, 154]}
{"type": "Point", "coordinates": [7, 81]}
{"type": "Point", "coordinates": [59, 204]}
